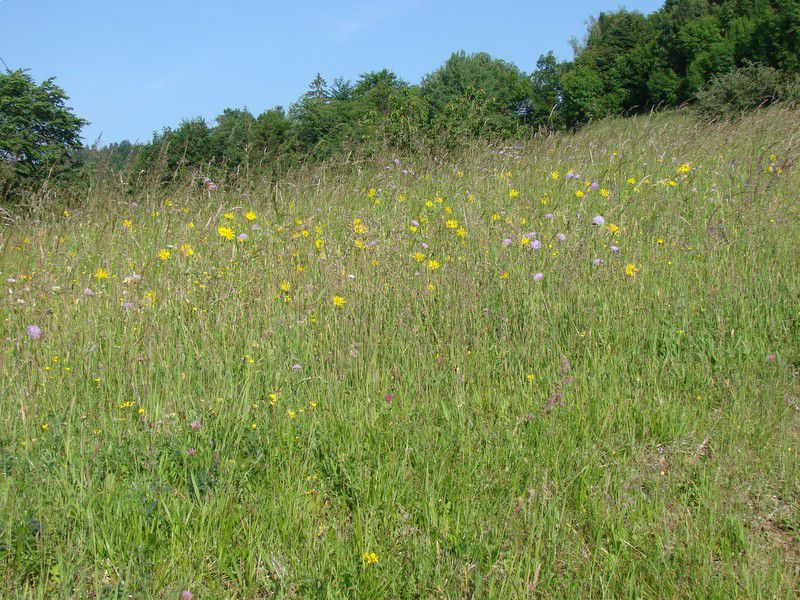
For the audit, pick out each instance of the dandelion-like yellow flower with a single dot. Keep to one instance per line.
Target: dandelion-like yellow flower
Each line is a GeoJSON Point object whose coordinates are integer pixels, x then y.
{"type": "Point", "coordinates": [164, 254]}
{"type": "Point", "coordinates": [369, 558]}
{"type": "Point", "coordinates": [555, 175]}
{"type": "Point", "coordinates": [250, 215]}
{"type": "Point", "coordinates": [338, 301]}
{"type": "Point", "coordinates": [285, 286]}
{"type": "Point", "coordinates": [418, 256]}
{"type": "Point", "coordinates": [451, 224]}
{"type": "Point", "coordinates": [101, 274]}
{"type": "Point", "coordinates": [631, 270]}
{"type": "Point", "coordinates": [229, 216]}
{"type": "Point", "coordinates": [433, 265]}
{"type": "Point", "coordinates": [225, 232]}
{"type": "Point", "coordinates": [513, 193]}
{"type": "Point", "coordinates": [127, 223]}
{"type": "Point", "coordinates": [187, 250]}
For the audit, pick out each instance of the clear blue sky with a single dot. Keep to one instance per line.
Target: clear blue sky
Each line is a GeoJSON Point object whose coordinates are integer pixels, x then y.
{"type": "Point", "coordinates": [132, 67]}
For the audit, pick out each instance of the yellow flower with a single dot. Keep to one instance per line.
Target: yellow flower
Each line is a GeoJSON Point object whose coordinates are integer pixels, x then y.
{"type": "Point", "coordinates": [513, 193]}
{"type": "Point", "coordinates": [228, 215]}
{"type": "Point", "coordinates": [371, 193]}
{"type": "Point", "coordinates": [433, 265]}
{"type": "Point", "coordinates": [605, 192]}
{"type": "Point", "coordinates": [45, 426]}
{"type": "Point", "coordinates": [579, 194]}
{"type": "Point", "coordinates": [461, 232]}
{"type": "Point", "coordinates": [285, 286]}
{"type": "Point", "coordinates": [632, 181]}
{"type": "Point", "coordinates": [359, 227]}
{"type": "Point", "coordinates": [613, 228]}
{"type": "Point", "coordinates": [554, 175]}
{"type": "Point", "coordinates": [225, 232]}
{"type": "Point", "coordinates": [504, 275]}
{"type": "Point", "coordinates": [451, 224]}
{"type": "Point", "coordinates": [250, 216]}
{"type": "Point", "coordinates": [127, 223]}
{"type": "Point", "coordinates": [369, 558]}
{"type": "Point", "coordinates": [101, 274]}
{"type": "Point", "coordinates": [187, 250]}
{"type": "Point", "coordinates": [418, 256]}
{"type": "Point", "coordinates": [631, 270]}
{"type": "Point", "coordinates": [685, 168]}
{"type": "Point", "coordinates": [338, 301]}
{"type": "Point", "coordinates": [164, 254]}
{"type": "Point", "coordinates": [291, 414]}
{"type": "Point", "coordinates": [273, 399]}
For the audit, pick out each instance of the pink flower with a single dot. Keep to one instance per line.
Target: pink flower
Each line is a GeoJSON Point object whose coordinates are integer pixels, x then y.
{"type": "Point", "coordinates": [771, 358]}
{"type": "Point", "coordinates": [88, 293]}
{"type": "Point", "coordinates": [538, 277]}
{"type": "Point", "coordinates": [34, 331]}
{"type": "Point", "coordinates": [191, 451]}
{"type": "Point", "coordinates": [186, 595]}
{"type": "Point", "coordinates": [195, 425]}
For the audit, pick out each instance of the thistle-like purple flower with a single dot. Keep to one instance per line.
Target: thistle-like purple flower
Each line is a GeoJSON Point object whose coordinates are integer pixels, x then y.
{"type": "Point", "coordinates": [561, 237]}
{"type": "Point", "coordinates": [549, 216]}
{"type": "Point", "coordinates": [34, 331]}
{"type": "Point", "coordinates": [507, 242]}
{"type": "Point", "coordinates": [195, 425]}
{"type": "Point", "coordinates": [598, 220]}
{"type": "Point", "coordinates": [538, 277]}
{"type": "Point", "coordinates": [536, 244]}
{"type": "Point", "coordinates": [598, 262]}
{"type": "Point", "coordinates": [614, 249]}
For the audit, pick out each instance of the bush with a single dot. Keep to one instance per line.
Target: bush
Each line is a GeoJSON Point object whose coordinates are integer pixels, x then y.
{"type": "Point", "coordinates": [742, 89]}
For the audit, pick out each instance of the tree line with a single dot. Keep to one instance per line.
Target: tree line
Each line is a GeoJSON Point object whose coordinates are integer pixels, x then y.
{"type": "Point", "coordinates": [724, 56]}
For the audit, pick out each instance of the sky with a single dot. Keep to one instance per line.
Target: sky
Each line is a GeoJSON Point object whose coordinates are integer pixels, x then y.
{"type": "Point", "coordinates": [134, 67]}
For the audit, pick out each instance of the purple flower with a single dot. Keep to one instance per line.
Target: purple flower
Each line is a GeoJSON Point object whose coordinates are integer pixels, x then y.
{"type": "Point", "coordinates": [424, 245]}
{"type": "Point", "coordinates": [561, 237]}
{"type": "Point", "coordinates": [536, 244]}
{"type": "Point", "coordinates": [530, 235]}
{"type": "Point", "coordinates": [34, 331]}
{"type": "Point", "coordinates": [549, 216]}
{"type": "Point", "coordinates": [598, 262]}
{"type": "Point", "coordinates": [507, 242]}
{"type": "Point", "coordinates": [598, 220]}
{"type": "Point", "coordinates": [186, 595]}
{"type": "Point", "coordinates": [296, 367]}
{"type": "Point", "coordinates": [404, 171]}
{"type": "Point", "coordinates": [594, 185]}
{"type": "Point", "coordinates": [254, 226]}
{"type": "Point", "coordinates": [538, 277]}
{"type": "Point", "coordinates": [570, 175]}
{"type": "Point", "coordinates": [88, 293]}
{"type": "Point", "coordinates": [127, 305]}
{"type": "Point", "coordinates": [614, 249]}
{"type": "Point", "coordinates": [242, 237]}
{"type": "Point", "coordinates": [396, 162]}
{"type": "Point", "coordinates": [195, 425]}
{"type": "Point", "coordinates": [415, 223]}
{"type": "Point", "coordinates": [771, 358]}
{"type": "Point", "coordinates": [190, 452]}
{"type": "Point", "coordinates": [388, 398]}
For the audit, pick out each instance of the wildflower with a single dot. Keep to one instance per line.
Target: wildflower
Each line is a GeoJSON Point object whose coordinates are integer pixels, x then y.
{"type": "Point", "coordinates": [549, 216]}
{"type": "Point", "coordinates": [34, 331]}
{"type": "Point", "coordinates": [513, 193]}
{"type": "Point", "coordinates": [388, 398]}
{"type": "Point", "coordinates": [291, 414]}
{"type": "Point", "coordinates": [186, 595]}
{"type": "Point", "coordinates": [536, 244]}
{"type": "Point", "coordinates": [127, 223]}
{"type": "Point", "coordinates": [631, 270]}
{"type": "Point", "coordinates": [613, 228]}
{"type": "Point", "coordinates": [285, 286]}
{"type": "Point", "coordinates": [250, 215]}
{"type": "Point", "coordinates": [579, 194]}
{"type": "Point", "coordinates": [242, 237]}
{"type": "Point", "coordinates": [451, 224]}
{"type": "Point", "coordinates": [164, 254]}
{"type": "Point", "coordinates": [598, 262]}
{"type": "Point", "coordinates": [554, 175]}
{"type": "Point", "coordinates": [684, 168]}
{"type": "Point", "coordinates": [101, 274]}
{"type": "Point", "coordinates": [418, 256]}
{"type": "Point", "coordinates": [127, 305]}
{"type": "Point", "coordinates": [187, 250]}
{"type": "Point", "coordinates": [195, 425]}
{"type": "Point", "coordinates": [225, 232]}
{"type": "Point", "coordinates": [45, 426]}
{"type": "Point", "coordinates": [191, 452]}
{"type": "Point", "coordinates": [433, 265]}
{"type": "Point", "coordinates": [605, 192]}
{"type": "Point", "coordinates": [598, 220]}
{"type": "Point", "coordinates": [538, 277]}
{"type": "Point", "coordinates": [507, 242]}
{"type": "Point", "coordinates": [771, 358]}
{"type": "Point", "coordinates": [594, 185]}
{"type": "Point", "coordinates": [561, 237]}
{"type": "Point", "coordinates": [369, 558]}
{"type": "Point", "coordinates": [614, 249]}
{"type": "Point", "coordinates": [632, 181]}
{"type": "Point", "coordinates": [229, 216]}
{"type": "Point", "coordinates": [296, 366]}
{"type": "Point", "coordinates": [338, 301]}
{"type": "Point", "coordinates": [88, 293]}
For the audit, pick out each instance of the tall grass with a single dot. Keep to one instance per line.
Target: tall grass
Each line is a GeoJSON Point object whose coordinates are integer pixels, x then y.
{"type": "Point", "coordinates": [210, 420]}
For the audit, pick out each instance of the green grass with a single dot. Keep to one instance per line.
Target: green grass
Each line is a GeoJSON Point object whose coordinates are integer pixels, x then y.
{"type": "Point", "coordinates": [593, 434]}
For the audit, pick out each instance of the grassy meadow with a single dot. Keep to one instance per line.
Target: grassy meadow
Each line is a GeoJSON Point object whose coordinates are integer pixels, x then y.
{"type": "Point", "coordinates": [416, 378]}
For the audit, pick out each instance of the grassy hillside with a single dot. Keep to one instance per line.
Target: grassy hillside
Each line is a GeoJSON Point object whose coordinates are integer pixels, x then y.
{"type": "Point", "coordinates": [417, 380]}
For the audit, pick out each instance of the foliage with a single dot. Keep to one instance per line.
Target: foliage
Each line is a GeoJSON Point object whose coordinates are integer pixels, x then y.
{"type": "Point", "coordinates": [742, 89]}
{"type": "Point", "coordinates": [38, 131]}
